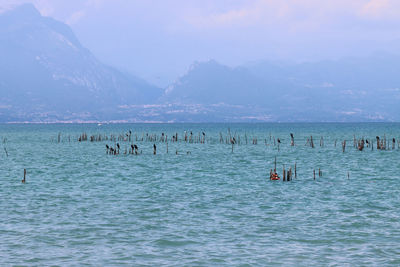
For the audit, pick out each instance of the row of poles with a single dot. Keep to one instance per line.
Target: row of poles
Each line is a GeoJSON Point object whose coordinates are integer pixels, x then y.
{"type": "Point", "coordinates": [287, 174]}
{"type": "Point", "coordinates": [189, 137]}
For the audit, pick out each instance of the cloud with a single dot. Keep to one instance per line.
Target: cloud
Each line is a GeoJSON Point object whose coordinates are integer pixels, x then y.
{"type": "Point", "coordinates": [75, 17]}
{"type": "Point", "coordinates": [70, 12]}
{"type": "Point", "coordinates": [381, 9]}
{"type": "Point", "coordinates": [296, 14]}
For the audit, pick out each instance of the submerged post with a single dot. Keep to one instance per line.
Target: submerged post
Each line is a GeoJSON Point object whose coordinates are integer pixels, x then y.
{"type": "Point", "coordinates": [24, 180]}
{"type": "Point", "coordinates": [292, 139]}
{"type": "Point", "coordinates": [284, 174]}
{"type": "Point", "coordinates": [378, 145]}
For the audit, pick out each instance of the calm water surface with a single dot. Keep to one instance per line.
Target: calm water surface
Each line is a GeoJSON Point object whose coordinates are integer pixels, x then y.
{"type": "Point", "coordinates": [211, 207]}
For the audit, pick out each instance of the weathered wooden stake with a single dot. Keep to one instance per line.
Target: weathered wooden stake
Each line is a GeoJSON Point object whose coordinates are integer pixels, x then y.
{"type": "Point", "coordinates": [284, 174]}
{"type": "Point", "coordinates": [292, 139]}
{"type": "Point", "coordinates": [384, 136]}
{"type": "Point", "coordinates": [24, 180]}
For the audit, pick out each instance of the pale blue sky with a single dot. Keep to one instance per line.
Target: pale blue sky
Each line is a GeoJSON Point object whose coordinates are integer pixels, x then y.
{"type": "Point", "coordinates": [159, 39]}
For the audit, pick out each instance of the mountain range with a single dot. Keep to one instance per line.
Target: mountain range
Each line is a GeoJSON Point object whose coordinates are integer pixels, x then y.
{"type": "Point", "coordinates": [46, 75]}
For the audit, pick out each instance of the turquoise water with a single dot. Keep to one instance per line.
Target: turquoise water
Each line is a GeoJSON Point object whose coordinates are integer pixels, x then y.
{"type": "Point", "coordinates": [80, 206]}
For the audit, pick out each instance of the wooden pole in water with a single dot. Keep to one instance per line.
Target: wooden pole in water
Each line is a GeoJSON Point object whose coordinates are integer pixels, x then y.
{"type": "Point", "coordinates": [292, 139]}
{"type": "Point", "coordinates": [314, 174]}
{"type": "Point", "coordinates": [384, 136]}
{"type": "Point", "coordinates": [24, 180]}
{"type": "Point", "coordinates": [284, 174]}
{"type": "Point", "coordinates": [295, 170]}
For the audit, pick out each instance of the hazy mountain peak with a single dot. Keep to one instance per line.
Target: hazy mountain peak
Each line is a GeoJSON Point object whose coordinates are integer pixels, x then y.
{"type": "Point", "coordinates": [44, 67]}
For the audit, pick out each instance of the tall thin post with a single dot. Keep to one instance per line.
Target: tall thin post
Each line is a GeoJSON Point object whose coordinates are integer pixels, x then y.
{"type": "Point", "coordinates": [24, 180]}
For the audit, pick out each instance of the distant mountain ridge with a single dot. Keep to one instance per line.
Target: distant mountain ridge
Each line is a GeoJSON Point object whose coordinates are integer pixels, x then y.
{"type": "Point", "coordinates": [45, 70]}
{"type": "Point", "coordinates": [354, 89]}
{"type": "Point", "coordinates": [46, 75]}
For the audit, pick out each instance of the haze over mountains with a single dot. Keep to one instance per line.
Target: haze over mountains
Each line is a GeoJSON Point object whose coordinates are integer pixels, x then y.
{"type": "Point", "coordinates": [46, 75]}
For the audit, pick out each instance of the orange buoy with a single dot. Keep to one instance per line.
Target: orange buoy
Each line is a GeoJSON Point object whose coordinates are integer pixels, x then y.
{"type": "Point", "coordinates": [274, 177]}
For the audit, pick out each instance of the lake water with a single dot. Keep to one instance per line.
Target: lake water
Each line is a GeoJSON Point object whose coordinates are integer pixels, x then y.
{"type": "Point", "coordinates": [204, 206]}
